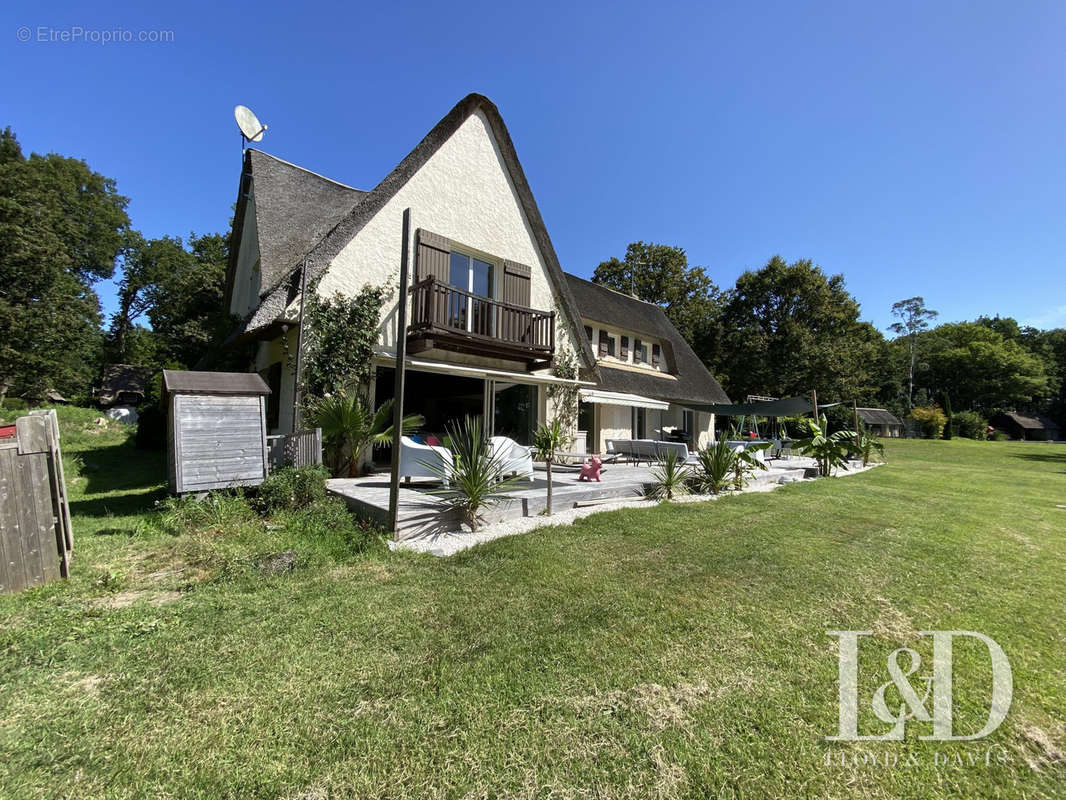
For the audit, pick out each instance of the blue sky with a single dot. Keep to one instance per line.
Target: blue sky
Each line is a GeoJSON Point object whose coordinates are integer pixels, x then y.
{"type": "Point", "coordinates": [917, 148]}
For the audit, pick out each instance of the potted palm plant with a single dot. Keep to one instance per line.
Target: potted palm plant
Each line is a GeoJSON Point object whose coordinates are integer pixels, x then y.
{"type": "Point", "coordinates": [475, 479]}
{"type": "Point", "coordinates": [350, 425]}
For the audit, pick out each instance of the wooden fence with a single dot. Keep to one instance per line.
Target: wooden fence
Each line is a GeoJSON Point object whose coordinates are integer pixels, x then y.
{"type": "Point", "coordinates": [302, 449]}
{"type": "Point", "coordinates": [36, 539]}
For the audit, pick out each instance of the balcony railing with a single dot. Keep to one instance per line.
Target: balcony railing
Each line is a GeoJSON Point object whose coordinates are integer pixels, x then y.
{"type": "Point", "coordinates": [455, 316]}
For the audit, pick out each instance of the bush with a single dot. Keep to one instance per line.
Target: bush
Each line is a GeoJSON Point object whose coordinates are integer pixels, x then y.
{"type": "Point", "coordinates": [291, 488]}
{"type": "Point", "coordinates": [969, 425]}
{"type": "Point", "coordinates": [224, 538]}
{"type": "Point", "coordinates": [1000, 436]}
{"type": "Point", "coordinates": [931, 420]}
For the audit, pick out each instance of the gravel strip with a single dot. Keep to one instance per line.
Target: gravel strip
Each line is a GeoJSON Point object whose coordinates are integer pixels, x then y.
{"type": "Point", "coordinates": [452, 542]}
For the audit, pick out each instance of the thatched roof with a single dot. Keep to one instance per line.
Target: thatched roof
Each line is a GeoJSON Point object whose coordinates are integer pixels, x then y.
{"type": "Point", "coordinates": [294, 209]}
{"type": "Point", "coordinates": [692, 382]}
{"type": "Point", "coordinates": [339, 232]}
{"type": "Point", "coordinates": [125, 382]}
{"type": "Point", "coordinates": [1032, 422]}
{"type": "Point", "coordinates": [878, 416]}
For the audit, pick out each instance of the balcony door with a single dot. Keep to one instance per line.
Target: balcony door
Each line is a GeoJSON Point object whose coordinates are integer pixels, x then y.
{"type": "Point", "coordinates": [475, 280]}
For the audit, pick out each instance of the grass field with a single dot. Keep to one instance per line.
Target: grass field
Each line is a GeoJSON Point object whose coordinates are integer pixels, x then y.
{"type": "Point", "coordinates": [679, 651]}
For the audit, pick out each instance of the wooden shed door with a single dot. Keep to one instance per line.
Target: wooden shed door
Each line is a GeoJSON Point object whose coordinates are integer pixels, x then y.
{"type": "Point", "coordinates": [220, 441]}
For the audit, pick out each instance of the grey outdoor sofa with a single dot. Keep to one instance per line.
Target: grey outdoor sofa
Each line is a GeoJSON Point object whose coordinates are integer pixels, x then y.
{"type": "Point", "coordinates": [637, 450]}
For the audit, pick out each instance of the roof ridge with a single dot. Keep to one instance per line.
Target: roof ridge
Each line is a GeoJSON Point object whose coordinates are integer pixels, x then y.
{"type": "Point", "coordinates": [305, 169]}
{"type": "Point", "coordinates": [616, 291]}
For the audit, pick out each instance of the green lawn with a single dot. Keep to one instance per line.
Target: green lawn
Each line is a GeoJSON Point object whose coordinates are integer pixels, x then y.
{"type": "Point", "coordinates": [673, 652]}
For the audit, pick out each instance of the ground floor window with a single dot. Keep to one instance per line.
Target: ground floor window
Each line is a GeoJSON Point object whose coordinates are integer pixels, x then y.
{"type": "Point", "coordinates": [515, 411]}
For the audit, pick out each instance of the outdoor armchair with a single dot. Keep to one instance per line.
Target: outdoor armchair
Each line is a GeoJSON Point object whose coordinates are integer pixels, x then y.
{"type": "Point", "coordinates": [423, 460]}
{"type": "Point", "coordinates": [513, 458]}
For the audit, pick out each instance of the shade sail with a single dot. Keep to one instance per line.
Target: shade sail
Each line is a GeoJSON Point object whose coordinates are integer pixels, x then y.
{"type": "Point", "coordinates": [621, 399]}
{"type": "Point", "coordinates": [786, 407]}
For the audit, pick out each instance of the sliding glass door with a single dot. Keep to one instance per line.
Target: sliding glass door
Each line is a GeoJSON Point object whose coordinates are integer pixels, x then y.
{"type": "Point", "coordinates": [515, 407]}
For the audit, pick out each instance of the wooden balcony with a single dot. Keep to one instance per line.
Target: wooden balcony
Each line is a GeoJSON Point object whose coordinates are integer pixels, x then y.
{"type": "Point", "coordinates": [448, 318]}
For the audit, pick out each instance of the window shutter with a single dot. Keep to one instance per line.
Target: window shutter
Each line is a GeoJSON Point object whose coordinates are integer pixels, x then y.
{"type": "Point", "coordinates": [434, 256]}
{"type": "Point", "coordinates": [624, 352]}
{"type": "Point", "coordinates": [603, 342]}
{"type": "Point", "coordinates": [656, 353]}
{"type": "Point", "coordinates": [638, 354]}
{"type": "Point", "coordinates": [516, 283]}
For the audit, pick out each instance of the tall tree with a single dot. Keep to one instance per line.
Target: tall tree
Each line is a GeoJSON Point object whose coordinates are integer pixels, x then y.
{"type": "Point", "coordinates": [914, 318]}
{"type": "Point", "coordinates": [179, 290]}
{"type": "Point", "coordinates": [788, 328]}
{"type": "Point", "coordinates": [981, 368]}
{"type": "Point", "coordinates": [660, 274]}
{"type": "Point", "coordinates": [61, 227]}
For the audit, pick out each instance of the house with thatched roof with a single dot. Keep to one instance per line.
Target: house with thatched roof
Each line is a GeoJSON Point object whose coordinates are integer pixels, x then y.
{"type": "Point", "coordinates": [490, 314]}
{"type": "Point", "coordinates": [122, 385]}
{"type": "Point", "coordinates": [881, 422]}
{"type": "Point", "coordinates": [1030, 426]}
{"type": "Point", "coordinates": [647, 376]}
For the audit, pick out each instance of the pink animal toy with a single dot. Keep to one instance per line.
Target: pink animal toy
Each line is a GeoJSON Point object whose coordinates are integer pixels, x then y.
{"type": "Point", "coordinates": [590, 470]}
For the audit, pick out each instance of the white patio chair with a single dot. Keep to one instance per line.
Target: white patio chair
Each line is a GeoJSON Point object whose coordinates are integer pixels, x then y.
{"type": "Point", "coordinates": [419, 460]}
{"type": "Point", "coordinates": [513, 458]}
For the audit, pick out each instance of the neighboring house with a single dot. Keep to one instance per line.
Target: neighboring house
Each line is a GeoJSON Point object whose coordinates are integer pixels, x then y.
{"type": "Point", "coordinates": [646, 373]}
{"type": "Point", "coordinates": [1035, 427]}
{"type": "Point", "coordinates": [491, 309]}
{"type": "Point", "coordinates": [881, 422]}
{"type": "Point", "coordinates": [122, 385]}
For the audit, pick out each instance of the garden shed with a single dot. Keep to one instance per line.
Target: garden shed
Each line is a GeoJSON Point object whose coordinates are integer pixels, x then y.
{"type": "Point", "coordinates": [881, 422]}
{"type": "Point", "coordinates": [1032, 427]}
{"type": "Point", "coordinates": [216, 429]}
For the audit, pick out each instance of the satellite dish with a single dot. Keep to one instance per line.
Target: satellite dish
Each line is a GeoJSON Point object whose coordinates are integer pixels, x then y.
{"type": "Point", "coordinates": [251, 129]}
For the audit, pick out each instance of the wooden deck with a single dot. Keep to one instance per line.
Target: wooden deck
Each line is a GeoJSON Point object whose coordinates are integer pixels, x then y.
{"type": "Point", "coordinates": [421, 513]}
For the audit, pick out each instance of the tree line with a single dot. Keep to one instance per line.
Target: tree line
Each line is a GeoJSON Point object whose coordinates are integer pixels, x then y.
{"type": "Point", "coordinates": [788, 328]}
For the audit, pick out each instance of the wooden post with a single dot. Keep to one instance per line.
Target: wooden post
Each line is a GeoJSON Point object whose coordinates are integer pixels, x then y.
{"type": "Point", "coordinates": [814, 407]}
{"type": "Point", "coordinates": [401, 367]}
{"type": "Point", "coordinates": [296, 393]}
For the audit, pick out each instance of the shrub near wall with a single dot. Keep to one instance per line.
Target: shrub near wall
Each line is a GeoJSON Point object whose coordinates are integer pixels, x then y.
{"type": "Point", "coordinates": [931, 420]}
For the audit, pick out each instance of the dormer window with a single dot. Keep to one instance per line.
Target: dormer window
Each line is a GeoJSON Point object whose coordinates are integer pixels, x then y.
{"type": "Point", "coordinates": [607, 344]}
{"type": "Point", "coordinates": [640, 352]}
